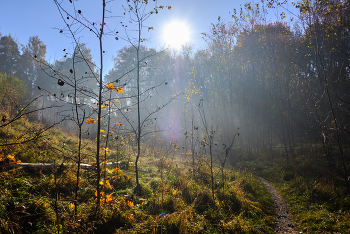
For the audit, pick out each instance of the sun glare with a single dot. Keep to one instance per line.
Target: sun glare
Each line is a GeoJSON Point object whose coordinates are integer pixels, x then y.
{"type": "Point", "coordinates": [176, 34]}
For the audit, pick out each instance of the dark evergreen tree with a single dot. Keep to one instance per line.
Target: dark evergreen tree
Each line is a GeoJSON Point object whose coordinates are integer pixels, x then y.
{"type": "Point", "coordinates": [9, 55]}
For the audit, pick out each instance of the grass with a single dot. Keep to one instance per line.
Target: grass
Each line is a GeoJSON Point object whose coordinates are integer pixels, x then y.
{"type": "Point", "coordinates": [317, 199]}
{"type": "Point", "coordinates": [173, 199]}
{"type": "Point", "coordinates": [49, 146]}
{"type": "Point", "coordinates": [185, 207]}
{"type": "Point", "coordinates": [317, 206]}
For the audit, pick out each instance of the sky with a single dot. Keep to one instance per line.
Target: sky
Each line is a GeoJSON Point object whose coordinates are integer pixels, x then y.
{"type": "Point", "coordinates": [23, 19]}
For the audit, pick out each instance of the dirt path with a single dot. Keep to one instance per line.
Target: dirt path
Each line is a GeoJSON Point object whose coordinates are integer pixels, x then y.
{"type": "Point", "coordinates": [283, 219]}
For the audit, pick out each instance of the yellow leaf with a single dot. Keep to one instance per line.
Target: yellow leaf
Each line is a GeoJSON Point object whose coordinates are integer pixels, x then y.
{"type": "Point", "coordinates": [109, 198]}
{"type": "Point", "coordinates": [90, 120]}
{"type": "Point", "coordinates": [101, 194]}
{"type": "Point", "coordinates": [71, 206]}
{"type": "Point", "coordinates": [110, 86]}
{"type": "Point", "coordinates": [108, 185]}
{"type": "Point", "coordinates": [109, 171]}
{"type": "Point", "coordinates": [102, 131]}
{"type": "Point", "coordinates": [169, 7]}
{"type": "Point", "coordinates": [130, 204]}
{"type": "Point", "coordinates": [120, 90]}
{"type": "Point", "coordinates": [11, 158]}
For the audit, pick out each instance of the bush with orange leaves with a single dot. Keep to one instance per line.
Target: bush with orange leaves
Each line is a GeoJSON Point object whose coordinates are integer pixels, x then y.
{"type": "Point", "coordinates": [7, 160]}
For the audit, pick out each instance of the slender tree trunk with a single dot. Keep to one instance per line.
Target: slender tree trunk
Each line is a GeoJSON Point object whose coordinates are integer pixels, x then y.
{"type": "Point", "coordinates": [56, 200]}
{"type": "Point", "coordinates": [99, 112]}
{"type": "Point", "coordinates": [138, 111]}
{"type": "Point", "coordinates": [211, 167]}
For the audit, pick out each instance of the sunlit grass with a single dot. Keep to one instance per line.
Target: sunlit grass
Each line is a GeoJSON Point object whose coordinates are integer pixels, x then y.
{"type": "Point", "coordinates": [321, 215]}
{"type": "Point", "coordinates": [173, 198]}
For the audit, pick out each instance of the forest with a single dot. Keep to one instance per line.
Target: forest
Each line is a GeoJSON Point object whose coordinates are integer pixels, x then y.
{"type": "Point", "coordinates": [180, 141]}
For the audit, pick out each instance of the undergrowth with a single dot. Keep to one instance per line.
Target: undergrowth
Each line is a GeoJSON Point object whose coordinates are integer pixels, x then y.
{"type": "Point", "coordinates": [316, 197]}
{"type": "Point", "coordinates": [173, 198]}
{"type": "Point", "coordinates": [317, 206]}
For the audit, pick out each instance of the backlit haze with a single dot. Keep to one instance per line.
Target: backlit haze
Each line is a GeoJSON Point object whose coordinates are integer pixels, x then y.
{"type": "Point", "coordinates": [184, 23]}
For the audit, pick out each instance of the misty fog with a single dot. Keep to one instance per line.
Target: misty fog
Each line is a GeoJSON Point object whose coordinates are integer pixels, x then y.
{"type": "Point", "coordinates": [261, 90]}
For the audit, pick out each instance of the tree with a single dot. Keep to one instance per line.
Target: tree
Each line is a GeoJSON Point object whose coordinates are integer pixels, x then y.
{"type": "Point", "coordinates": [13, 90]}
{"type": "Point", "coordinates": [327, 50]}
{"type": "Point", "coordinates": [67, 72]}
{"type": "Point", "coordinates": [33, 55]}
{"type": "Point", "coordinates": [9, 55]}
{"type": "Point", "coordinates": [138, 13]}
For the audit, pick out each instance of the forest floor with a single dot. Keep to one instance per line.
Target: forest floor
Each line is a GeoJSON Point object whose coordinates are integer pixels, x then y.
{"type": "Point", "coordinates": [283, 220]}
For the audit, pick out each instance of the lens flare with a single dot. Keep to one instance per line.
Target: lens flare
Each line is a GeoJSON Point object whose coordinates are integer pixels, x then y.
{"type": "Point", "coordinates": [169, 125]}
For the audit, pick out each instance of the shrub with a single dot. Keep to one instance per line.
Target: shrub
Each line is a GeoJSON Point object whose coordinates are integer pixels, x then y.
{"type": "Point", "coordinates": [13, 91]}
{"type": "Point", "coordinates": [203, 201]}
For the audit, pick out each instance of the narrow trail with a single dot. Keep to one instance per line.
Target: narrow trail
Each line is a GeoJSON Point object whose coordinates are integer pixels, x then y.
{"type": "Point", "coordinates": [283, 219]}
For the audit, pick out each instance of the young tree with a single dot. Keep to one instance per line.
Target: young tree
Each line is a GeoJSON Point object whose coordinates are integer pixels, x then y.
{"type": "Point", "coordinates": [73, 18]}
{"type": "Point", "coordinates": [139, 12]}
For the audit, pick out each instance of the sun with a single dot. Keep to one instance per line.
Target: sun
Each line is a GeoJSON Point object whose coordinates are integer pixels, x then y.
{"type": "Point", "coordinates": [176, 34]}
